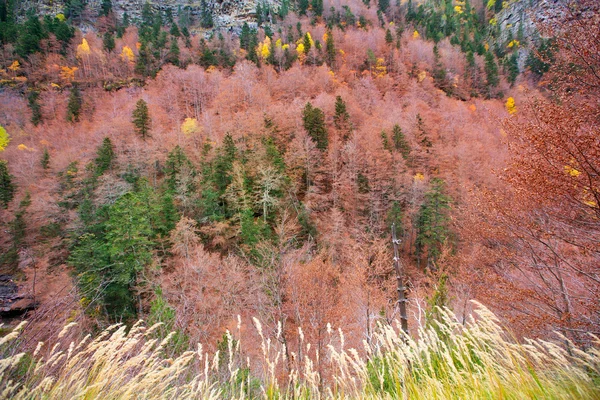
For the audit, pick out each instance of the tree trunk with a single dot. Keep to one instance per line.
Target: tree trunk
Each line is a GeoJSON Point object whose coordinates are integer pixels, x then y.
{"type": "Point", "coordinates": [400, 279]}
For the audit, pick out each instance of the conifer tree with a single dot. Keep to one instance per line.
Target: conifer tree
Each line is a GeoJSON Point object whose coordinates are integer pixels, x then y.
{"type": "Point", "coordinates": [141, 119]}
{"type": "Point", "coordinates": [330, 50]}
{"type": "Point", "coordinates": [314, 123]}
{"type": "Point", "coordinates": [432, 222]}
{"type": "Point", "coordinates": [34, 105]}
{"type": "Point", "coordinates": [7, 187]}
{"type": "Point", "coordinates": [389, 38]}
{"type": "Point", "coordinates": [400, 143]}
{"type": "Point", "coordinates": [108, 41]}
{"type": "Point", "coordinates": [74, 104]}
{"type": "Point", "coordinates": [491, 72]}
{"type": "Point", "coordinates": [105, 156]}
{"type": "Point", "coordinates": [45, 160]}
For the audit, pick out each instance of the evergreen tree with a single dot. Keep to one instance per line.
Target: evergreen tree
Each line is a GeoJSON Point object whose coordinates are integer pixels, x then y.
{"type": "Point", "coordinates": [34, 105]}
{"type": "Point", "coordinates": [314, 123]}
{"type": "Point", "coordinates": [105, 156]}
{"type": "Point", "coordinates": [432, 222]}
{"type": "Point", "coordinates": [30, 36]}
{"type": "Point", "coordinates": [74, 104]}
{"type": "Point", "coordinates": [175, 31]}
{"type": "Point", "coordinates": [7, 187]}
{"type": "Point", "coordinates": [302, 6]}
{"type": "Point", "coordinates": [513, 68]}
{"type": "Point", "coordinates": [400, 143]}
{"type": "Point", "coordinates": [174, 52]}
{"type": "Point", "coordinates": [141, 119]}
{"type": "Point", "coordinates": [341, 119]}
{"type": "Point", "coordinates": [330, 51]}
{"type": "Point", "coordinates": [105, 8]}
{"type": "Point", "coordinates": [206, 18]}
{"type": "Point", "coordinates": [389, 38]}
{"type": "Point", "coordinates": [491, 72]}
{"type": "Point", "coordinates": [45, 160]}
{"type": "Point", "coordinates": [108, 41]}
{"type": "Point", "coordinates": [383, 5]}
{"type": "Point", "coordinates": [317, 7]}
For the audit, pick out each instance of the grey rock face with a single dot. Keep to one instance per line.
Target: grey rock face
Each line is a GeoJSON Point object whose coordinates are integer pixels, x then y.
{"type": "Point", "coordinates": [226, 13]}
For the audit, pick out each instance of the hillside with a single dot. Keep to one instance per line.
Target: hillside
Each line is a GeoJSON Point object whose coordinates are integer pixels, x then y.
{"type": "Point", "coordinates": [206, 169]}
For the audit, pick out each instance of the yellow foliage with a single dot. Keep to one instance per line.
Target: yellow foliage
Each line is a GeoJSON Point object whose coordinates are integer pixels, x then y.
{"type": "Point", "coordinates": [265, 48]}
{"type": "Point", "coordinates": [285, 47]}
{"type": "Point", "coordinates": [67, 73]}
{"type": "Point", "coordinates": [127, 54]}
{"type": "Point", "coordinates": [15, 66]}
{"type": "Point", "coordinates": [458, 9]}
{"type": "Point", "coordinates": [514, 43]}
{"type": "Point", "coordinates": [415, 34]}
{"type": "Point", "coordinates": [325, 36]}
{"type": "Point", "coordinates": [491, 4]}
{"type": "Point", "coordinates": [493, 22]}
{"type": "Point", "coordinates": [23, 147]}
{"type": "Point", "coordinates": [189, 126]}
{"type": "Point", "coordinates": [419, 177]}
{"type": "Point", "coordinates": [591, 203]}
{"type": "Point", "coordinates": [380, 68]}
{"type": "Point", "coordinates": [473, 107]}
{"type": "Point", "coordinates": [211, 69]}
{"type": "Point", "coordinates": [572, 171]}
{"type": "Point", "coordinates": [278, 43]}
{"type": "Point", "coordinates": [486, 47]}
{"type": "Point", "coordinates": [422, 75]}
{"type": "Point", "coordinates": [61, 17]}
{"type": "Point", "coordinates": [310, 40]}
{"type": "Point", "coordinates": [4, 138]}
{"type": "Point", "coordinates": [55, 85]}
{"type": "Point", "coordinates": [83, 49]}
{"type": "Point", "coordinates": [510, 105]}
{"type": "Point", "coordinates": [300, 49]}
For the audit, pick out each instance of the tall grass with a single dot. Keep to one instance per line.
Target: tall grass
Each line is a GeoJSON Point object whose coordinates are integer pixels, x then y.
{"type": "Point", "coordinates": [478, 360]}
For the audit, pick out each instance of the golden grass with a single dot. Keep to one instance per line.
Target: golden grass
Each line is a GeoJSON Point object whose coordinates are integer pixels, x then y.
{"type": "Point", "coordinates": [449, 361]}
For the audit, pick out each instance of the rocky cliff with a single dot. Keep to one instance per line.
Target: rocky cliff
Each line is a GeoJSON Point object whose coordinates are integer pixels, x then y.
{"type": "Point", "coordinates": [226, 13]}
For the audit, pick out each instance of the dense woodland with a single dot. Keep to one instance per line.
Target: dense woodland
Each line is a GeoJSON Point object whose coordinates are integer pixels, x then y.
{"type": "Point", "coordinates": [163, 169]}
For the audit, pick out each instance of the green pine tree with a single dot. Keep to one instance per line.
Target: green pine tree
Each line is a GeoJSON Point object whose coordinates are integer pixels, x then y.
{"type": "Point", "coordinates": [45, 160]}
{"type": "Point", "coordinates": [141, 119]}
{"type": "Point", "coordinates": [314, 123]}
{"type": "Point", "coordinates": [74, 104]}
{"type": "Point", "coordinates": [7, 187]}
{"type": "Point", "coordinates": [105, 156]}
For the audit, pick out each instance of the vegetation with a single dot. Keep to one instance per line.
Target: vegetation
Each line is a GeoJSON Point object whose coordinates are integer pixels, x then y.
{"type": "Point", "coordinates": [168, 169]}
{"type": "Point", "coordinates": [466, 361]}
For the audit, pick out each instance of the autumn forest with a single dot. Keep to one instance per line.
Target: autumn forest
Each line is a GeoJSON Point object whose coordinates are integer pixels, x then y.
{"type": "Point", "coordinates": [360, 199]}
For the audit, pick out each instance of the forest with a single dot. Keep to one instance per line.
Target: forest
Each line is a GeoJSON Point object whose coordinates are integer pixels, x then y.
{"type": "Point", "coordinates": [360, 199]}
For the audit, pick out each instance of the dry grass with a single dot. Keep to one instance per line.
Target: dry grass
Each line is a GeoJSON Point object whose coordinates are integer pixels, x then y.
{"type": "Point", "coordinates": [478, 360]}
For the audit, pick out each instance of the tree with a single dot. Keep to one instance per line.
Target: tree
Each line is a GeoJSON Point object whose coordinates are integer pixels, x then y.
{"type": "Point", "coordinates": [74, 104]}
{"type": "Point", "coordinates": [141, 119]}
{"type": "Point", "coordinates": [45, 160]}
{"type": "Point", "coordinates": [4, 138]}
{"type": "Point", "coordinates": [34, 105]}
{"type": "Point", "coordinates": [432, 223]}
{"type": "Point", "coordinates": [545, 221]}
{"type": "Point", "coordinates": [108, 41]}
{"type": "Point", "coordinates": [314, 123]}
{"type": "Point", "coordinates": [341, 119]}
{"type": "Point", "coordinates": [206, 18]}
{"type": "Point", "coordinates": [105, 8]}
{"type": "Point", "coordinates": [400, 143]}
{"type": "Point", "coordinates": [330, 51]}
{"type": "Point", "coordinates": [491, 72]}
{"type": "Point", "coordinates": [7, 187]}
{"type": "Point", "coordinates": [105, 156]}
